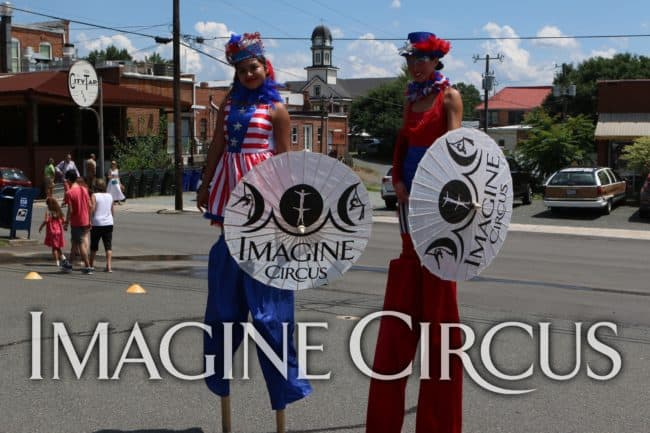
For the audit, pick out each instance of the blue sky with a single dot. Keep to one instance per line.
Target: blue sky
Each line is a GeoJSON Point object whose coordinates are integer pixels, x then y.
{"type": "Point", "coordinates": [369, 24]}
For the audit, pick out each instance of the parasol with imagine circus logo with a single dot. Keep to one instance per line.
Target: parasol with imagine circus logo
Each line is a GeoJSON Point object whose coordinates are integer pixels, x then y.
{"type": "Point", "coordinates": [460, 204]}
{"type": "Point", "coordinates": [298, 220]}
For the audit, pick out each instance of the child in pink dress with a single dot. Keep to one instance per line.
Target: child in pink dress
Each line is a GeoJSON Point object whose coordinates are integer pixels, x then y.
{"type": "Point", "coordinates": [53, 224]}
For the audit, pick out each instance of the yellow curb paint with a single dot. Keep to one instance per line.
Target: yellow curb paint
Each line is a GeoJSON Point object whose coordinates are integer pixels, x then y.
{"type": "Point", "coordinates": [33, 276]}
{"type": "Point", "coordinates": [135, 289]}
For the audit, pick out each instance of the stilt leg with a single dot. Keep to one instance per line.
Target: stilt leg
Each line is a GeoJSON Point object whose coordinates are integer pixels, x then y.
{"type": "Point", "coordinates": [225, 414]}
{"type": "Point", "coordinates": [279, 421]}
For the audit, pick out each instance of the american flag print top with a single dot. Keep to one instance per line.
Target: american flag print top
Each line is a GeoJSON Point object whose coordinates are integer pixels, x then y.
{"type": "Point", "coordinates": [248, 136]}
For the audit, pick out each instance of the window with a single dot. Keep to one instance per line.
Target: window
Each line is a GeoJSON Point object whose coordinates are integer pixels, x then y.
{"type": "Point", "coordinates": [603, 177]}
{"type": "Point", "coordinates": [502, 142]}
{"type": "Point", "coordinates": [327, 59]}
{"type": "Point", "coordinates": [317, 58]}
{"type": "Point", "coordinates": [515, 117]}
{"type": "Point", "coordinates": [294, 134]}
{"type": "Point", "coordinates": [493, 117]}
{"type": "Point", "coordinates": [203, 130]}
{"type": "Point", "coordinates": [45, 50]}
{"type": "Point", "coordinates": [15, 55]}
{"type": "Point", "coordinates": [307, 137]}
{"type": "Point", "coordinates": [316, 90]}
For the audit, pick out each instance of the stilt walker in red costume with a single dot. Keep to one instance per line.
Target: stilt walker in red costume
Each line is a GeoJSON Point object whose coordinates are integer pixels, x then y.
{"type": "Point", "coordinates": [433, 107]}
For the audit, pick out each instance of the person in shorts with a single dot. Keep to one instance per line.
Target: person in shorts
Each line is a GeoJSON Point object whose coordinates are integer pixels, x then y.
{"type": "Point", "coordinates": [102, 223]}
{"type": "Point", "coordinates": [78, 218]}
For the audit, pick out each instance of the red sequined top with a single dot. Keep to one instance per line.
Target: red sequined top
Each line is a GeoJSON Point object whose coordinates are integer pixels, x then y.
{"type": "Point", "coordinates": [420, 129]}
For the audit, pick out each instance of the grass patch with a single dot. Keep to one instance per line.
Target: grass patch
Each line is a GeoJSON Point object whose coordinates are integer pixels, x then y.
{"type": "Point", "coordinates": [369, 177]}
{"type": "Point", "coordinates": [4, 243]}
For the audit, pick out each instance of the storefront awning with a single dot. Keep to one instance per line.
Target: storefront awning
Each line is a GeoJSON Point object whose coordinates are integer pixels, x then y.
{"type": "Point", "coordinates": [52, 86]}
{"type": "Point", "coordinates": [622, 126]}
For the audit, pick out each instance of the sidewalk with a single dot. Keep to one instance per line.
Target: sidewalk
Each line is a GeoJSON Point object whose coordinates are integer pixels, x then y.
{"type": "Point", "coordinates": [166, 204]}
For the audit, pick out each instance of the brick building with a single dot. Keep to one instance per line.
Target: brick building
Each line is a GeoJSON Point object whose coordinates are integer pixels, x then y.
{"type": "Point", "coordinates": [623, 116]}
{"type": "Point", "coordinates": [511, 104]}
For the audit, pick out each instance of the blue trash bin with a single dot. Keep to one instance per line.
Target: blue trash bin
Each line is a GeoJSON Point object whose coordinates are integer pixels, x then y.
{"type": "Point", "coordinates": [194, 179]}
{"type": "Point", "coordinates": [16, 206]}
{"type": "Point", "coordinates": [187, 177]}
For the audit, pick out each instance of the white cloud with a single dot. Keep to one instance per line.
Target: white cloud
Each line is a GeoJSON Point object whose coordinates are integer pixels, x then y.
{"type": "Point", "coordinates": [290, 66]}
{"type": "Point", "coordinates": [396, 4]}
{"type": "Point", "coordinates": [336, 32]}
{"type": "Point", "coordinates": [517, 65]}
{"type": "Point", "coordinates": [101, 42]}
{"type": "Point", "coordinates": [371, 58]}
{"type": "Point", "coordinates": [211, 29]}
{"type": "Point", "coordinates": [605, 53]}
{"type": "Point", "coordinates": [554, 32]}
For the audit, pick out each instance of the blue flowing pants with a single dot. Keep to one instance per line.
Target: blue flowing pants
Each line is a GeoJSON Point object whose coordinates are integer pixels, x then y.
{"type": "Point", "coordinates": [232, 293]}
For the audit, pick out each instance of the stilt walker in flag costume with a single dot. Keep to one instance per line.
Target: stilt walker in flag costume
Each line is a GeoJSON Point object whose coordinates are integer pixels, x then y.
{"type": "Point", "coordinates": [432, 108]}
{"type": "Point", "coordinates": [252, 126]}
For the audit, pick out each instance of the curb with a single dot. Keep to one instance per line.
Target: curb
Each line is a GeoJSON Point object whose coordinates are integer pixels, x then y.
{"type": "Point", "coordinates": [559, 230]}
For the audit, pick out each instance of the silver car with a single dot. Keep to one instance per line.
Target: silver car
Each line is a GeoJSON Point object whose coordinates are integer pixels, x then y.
{"type": "Point", "coordinates": [387, 190]}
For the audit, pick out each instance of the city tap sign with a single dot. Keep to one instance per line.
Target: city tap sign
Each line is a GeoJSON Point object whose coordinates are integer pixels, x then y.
{"type": "Point", "coordinates": [83, 84]}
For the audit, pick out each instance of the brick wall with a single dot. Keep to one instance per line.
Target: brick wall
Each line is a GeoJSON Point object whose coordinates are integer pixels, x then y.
{"type": "Point", "coordinates": [33, 38]}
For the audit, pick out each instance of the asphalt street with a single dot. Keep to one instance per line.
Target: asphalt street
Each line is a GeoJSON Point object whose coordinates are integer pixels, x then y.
{"type": "Point", "coordinates": [540, 276]}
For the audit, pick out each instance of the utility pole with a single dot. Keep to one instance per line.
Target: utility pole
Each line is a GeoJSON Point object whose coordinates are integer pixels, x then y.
{"type": "Point", "coordinates": [178, 149]}
{"type": "Point", "coordinates": [488, 83]}
{"type": "Point", "coordinates": [564, 90]}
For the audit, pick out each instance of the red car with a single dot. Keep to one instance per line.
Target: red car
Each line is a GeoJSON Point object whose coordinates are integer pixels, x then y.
{"type": "Point", "coordinates": [11, 176]}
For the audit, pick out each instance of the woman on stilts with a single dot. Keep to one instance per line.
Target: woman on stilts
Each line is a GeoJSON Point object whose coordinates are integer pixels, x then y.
{"type": "Point", "coordinates": [252, 126]}
{"type": "Point", "coordinates": [432, 108]}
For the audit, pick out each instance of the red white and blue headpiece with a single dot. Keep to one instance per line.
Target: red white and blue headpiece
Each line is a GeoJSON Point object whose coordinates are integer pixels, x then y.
{"type": "Point", "coordinates": [421, 44]}
{"type": "Point", "coordinates": [242, 47]}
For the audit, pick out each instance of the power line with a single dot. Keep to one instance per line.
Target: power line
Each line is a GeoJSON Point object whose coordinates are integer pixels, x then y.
{"type": "Point", "coordinates": [485, 38]}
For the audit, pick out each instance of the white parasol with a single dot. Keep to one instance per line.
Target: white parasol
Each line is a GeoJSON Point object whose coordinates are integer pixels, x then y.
{"type": "Point", "coordinates": [298, 220]}
{"type": "Point", "coordinates": [460, 204]}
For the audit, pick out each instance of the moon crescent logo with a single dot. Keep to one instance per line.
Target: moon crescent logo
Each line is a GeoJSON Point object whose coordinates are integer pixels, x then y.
{"type": "Point", "coordinates": [462, 151]}
{"type": "Point", "coordinates": [440, 247]}
{"type": "Point", "coordinates": [254, 201]}
{"type": "Point", "coordinates": [345, 205]}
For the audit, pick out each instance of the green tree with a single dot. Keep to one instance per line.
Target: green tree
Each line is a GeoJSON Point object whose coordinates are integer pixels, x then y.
{"type": "Point", "coordinates": [380, 112]}
{"type": "Point", "coordinates": [552, 145]}
{"type": "Point", "coordinates": [637, 155]}
{"type": "Point", "coordinates": [585, 75]}
{"type": "Point", "coordinates": [148, 151]}
{"type": "Point", "coordinates": [155, 59]}
{"type": "Point", "coordinates": [471, 98]}
{"type": "Point", "coordinates": [110, 53]}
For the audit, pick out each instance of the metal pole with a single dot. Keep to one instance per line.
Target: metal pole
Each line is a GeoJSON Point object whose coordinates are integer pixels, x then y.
{"type": "Point", "coordinates": [178, 149]}
{"type": "Point", "coordinates": [485, 93]}
{"type": "Point", "coordinates": [101, 130]}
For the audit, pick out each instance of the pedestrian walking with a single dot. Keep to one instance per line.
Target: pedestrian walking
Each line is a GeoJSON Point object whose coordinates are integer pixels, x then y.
{"type": "Point", "coordinates": [78, 218]}
{"type": "Point", "coordinates": [90, 168]}
{"type": "Point", "coordinates": [252, 126]}
{"type": "Point", "coordinates": [53, 224]}
{"type": "Point", "coordinates": [49, 175]}
{"type": "Point", "coordinates": [114, 187]}
{"type": "Point", "coordinates": [433, 107]}
{"type": "Point", "coordinates": [62, 168]}
{"type": "Point", "coordinates": [102, 223]}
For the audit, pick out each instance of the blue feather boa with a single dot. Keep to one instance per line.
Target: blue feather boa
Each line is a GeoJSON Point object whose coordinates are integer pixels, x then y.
{"type": "Point", "coordinates": [267, 93]}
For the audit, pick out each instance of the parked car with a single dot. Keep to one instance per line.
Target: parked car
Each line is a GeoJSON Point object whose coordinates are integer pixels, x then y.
{"type": "Point", "coordinates": [592, 187]}
{"type": "Point", "coordinates": [387, 190]}
{"type": "Point", "coordinates": [11, 176]}
{"type": "Point", "coordinates": [369, 146]}
{"type": "Point", "coordinates": [644, 199]}
{"type": "Point", "coordinates": [521, 182]}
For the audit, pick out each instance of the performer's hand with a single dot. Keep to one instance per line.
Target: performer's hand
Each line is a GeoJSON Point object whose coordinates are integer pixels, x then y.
{"type": "Point", "coordinates": [401, 192]}
{"type": "Point", "coordinates": [202, 195]}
